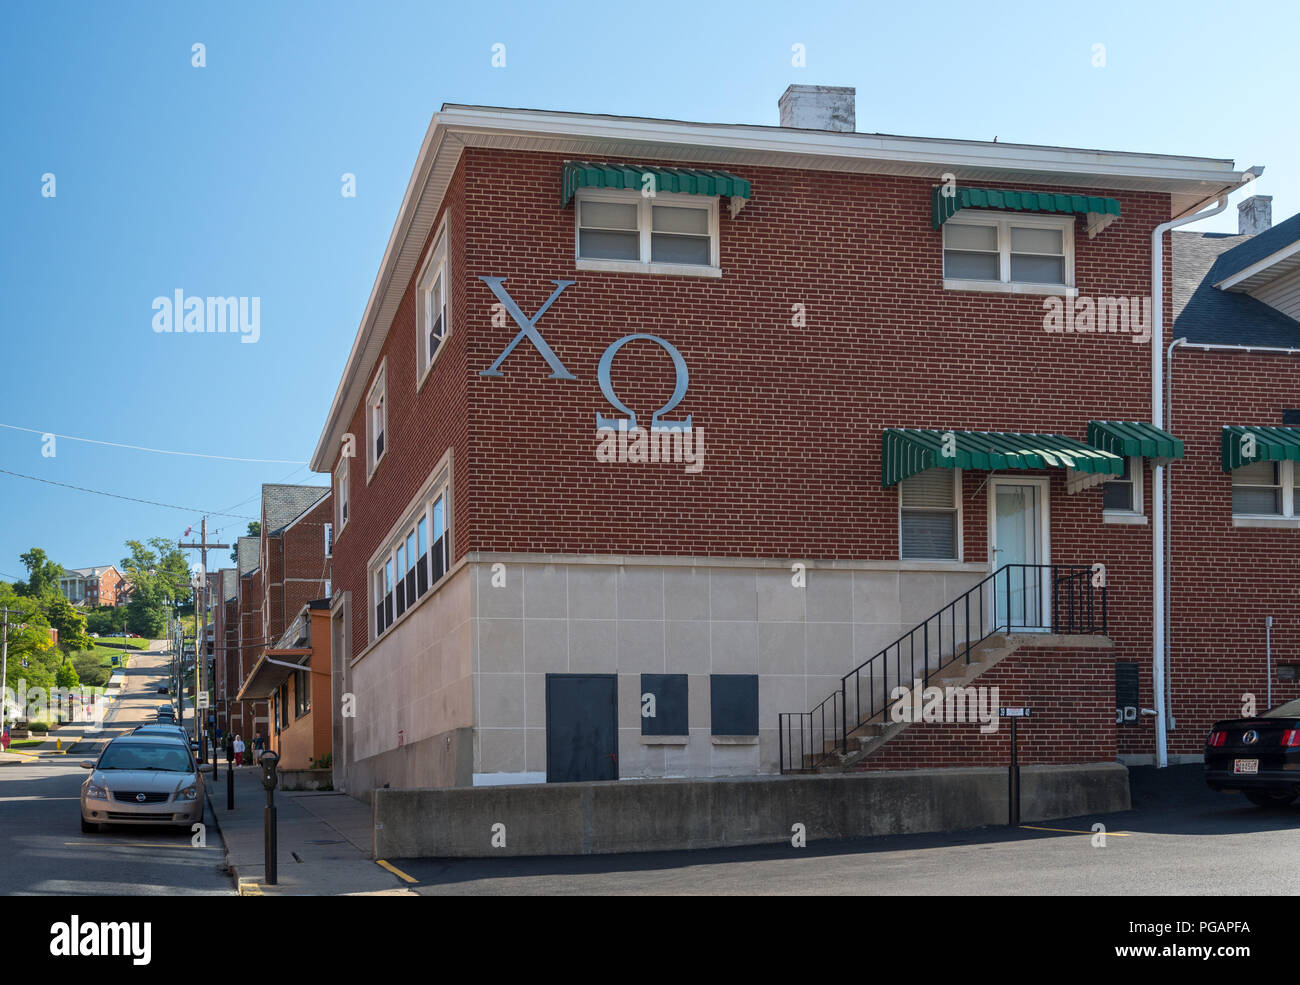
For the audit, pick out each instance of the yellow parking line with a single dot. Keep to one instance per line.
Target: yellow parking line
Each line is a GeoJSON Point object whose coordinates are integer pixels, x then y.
{"type": "Point", "coordinates": [394, 870]}
{"type": "Point", "coordinates": [1071, 831]}
{"type": "Point", "coordinates": [250, 889]}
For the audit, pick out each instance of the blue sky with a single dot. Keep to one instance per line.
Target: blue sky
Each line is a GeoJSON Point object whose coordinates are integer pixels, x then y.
{"type": "Point", "coordinates": [225, 180]}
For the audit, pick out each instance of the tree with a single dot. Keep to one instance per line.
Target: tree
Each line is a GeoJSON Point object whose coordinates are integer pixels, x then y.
{"type": "Point", "coordinates": [42, 574]}
{"type": "Point", "coordinates": [32, 656]}
{"type": "Point", "coordinates": [70, 623]}
{"type": "Point", "coordinates": [66, 675]}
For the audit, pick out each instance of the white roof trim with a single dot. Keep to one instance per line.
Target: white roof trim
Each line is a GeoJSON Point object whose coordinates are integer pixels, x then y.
{"type": "Point", "coordinates": [1187, 179]}
{"type": "Point", "coordinates": [1251, 273]}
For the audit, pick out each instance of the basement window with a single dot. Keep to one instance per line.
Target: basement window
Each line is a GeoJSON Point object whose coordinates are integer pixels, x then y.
{"type": "Point", "coordinates": [1027, 254]}
{"type": "Point", "coordinates": [929, 515]}
{"type": "Point", "coordinates": [664, 233]}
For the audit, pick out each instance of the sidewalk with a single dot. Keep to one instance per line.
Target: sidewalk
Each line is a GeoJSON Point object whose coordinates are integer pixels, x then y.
{"type": "Point", "coordinates": [323, 846]}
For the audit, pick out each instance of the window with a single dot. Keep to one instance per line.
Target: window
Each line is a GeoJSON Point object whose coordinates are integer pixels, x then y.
{"type": "Point", "coordinates": [733, 704]}
{"type": "Point", "coordinates": [666, 695]}
{"type": "Point", "coordinates": [415, 561]}
{"type": "Point", "coordinates": [329, 540]}
{"type": "Point", "coordinates": [1262, 489]}
{"type": "Point", "coordinates": [930, 515]}
{"type": "Point", "coordinates": [1124, 495]}
{"type": "Point", "coordinates": [340, 497]}
{"type": "Point", "coordinates": [377, 422]}
{"type": "Point", "coordinates": [432, 312]}
{"type": "Point", "coordinates": [999, 252]}
{"type": "Point", "coordinates": [301, 693]}
{"type": "Point", "coordinates": [665, 233]}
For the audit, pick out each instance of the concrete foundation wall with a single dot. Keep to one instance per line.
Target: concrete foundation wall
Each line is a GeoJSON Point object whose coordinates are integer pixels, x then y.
{"type": "Point", "coordinates": [660, 815]}
{"type": "Point", "coordinates": [540, 614]}
{"type": "Point", "coordinates": [443, 760]}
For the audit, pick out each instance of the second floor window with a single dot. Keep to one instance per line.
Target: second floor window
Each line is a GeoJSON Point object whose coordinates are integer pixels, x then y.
{"type": "Point", "coordinates": [340, 498]}
{"type": "Point", "coordinates": [666, 233]}
{"type": "Point", "coordinates": [377, 411]}
{"type": "Point", "coordinates": [999, 252]}
{"type": "Point", "coordinates": [432, 314]}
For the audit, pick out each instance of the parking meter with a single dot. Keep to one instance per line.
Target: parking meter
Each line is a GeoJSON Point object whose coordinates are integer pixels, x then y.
{"type": "Point", "coordinates": [268, 762]}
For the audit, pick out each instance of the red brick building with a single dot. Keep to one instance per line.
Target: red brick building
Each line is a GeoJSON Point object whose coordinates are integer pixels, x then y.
{"type": "Point", "coordinates": [864, 409]}
{"type": "Point", "coordinates": [281, 571]}
{"type": "Point", "coordinates": [99, 585]}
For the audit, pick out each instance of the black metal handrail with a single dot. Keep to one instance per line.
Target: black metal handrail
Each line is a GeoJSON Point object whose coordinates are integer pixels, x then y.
{"type": "Point", "coordinates": [1072, 597]}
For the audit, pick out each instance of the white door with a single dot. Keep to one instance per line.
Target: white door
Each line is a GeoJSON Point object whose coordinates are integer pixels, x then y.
{"type": "Point", "coordinates": [1018, 540]}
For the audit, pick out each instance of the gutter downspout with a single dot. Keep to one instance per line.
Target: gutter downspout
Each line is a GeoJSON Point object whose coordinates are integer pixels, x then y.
{"type": "Point", "coordinates": [1158, 629]}
{"type": "Point", "coordinates": [1169, 514]}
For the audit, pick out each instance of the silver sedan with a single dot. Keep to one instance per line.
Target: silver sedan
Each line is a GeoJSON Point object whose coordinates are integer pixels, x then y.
{"type": "Point", "coordinates": [143, 779]}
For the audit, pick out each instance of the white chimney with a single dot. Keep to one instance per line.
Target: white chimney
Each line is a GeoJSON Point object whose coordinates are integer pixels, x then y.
{"type": "Point", "coordinates": [1254, 215]}
{"type": "Point", "coordinates": [818, 108]}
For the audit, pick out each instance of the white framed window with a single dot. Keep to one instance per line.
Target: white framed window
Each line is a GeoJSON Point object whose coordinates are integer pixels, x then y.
{"type": "Point", "coordinates": [665, 233]}
{"type": "Point", "coordinates": [376, 422]}
{"type": "Point", "coordinates": [340, 496]}
{"type": "Point", "coordinates": [929, 516]}
{"type": "Point", "coordinates": [329, 540]}
{"type": "Point", "coordinates": [414, 561]}
{"type": "Point", "coordinates": [432, 307]}
{"type": "Point", "coordinates": [1264, 489]}
{"type": "Point", "coordinates": [1122, 496]}
{"type": "Point", "coordinates": [1009, 252]}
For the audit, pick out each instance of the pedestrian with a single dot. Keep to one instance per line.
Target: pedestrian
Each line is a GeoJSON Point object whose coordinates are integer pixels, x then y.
{"type": "Point", "coordinates": [239, 750]}
{"type": "Point", "coordinates": [257, 747]}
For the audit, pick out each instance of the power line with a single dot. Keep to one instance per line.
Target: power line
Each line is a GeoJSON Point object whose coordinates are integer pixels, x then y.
{"type": "Point", "coordinates": [132, 499]}
{"type": "Point", "coordinates": [157, 451]}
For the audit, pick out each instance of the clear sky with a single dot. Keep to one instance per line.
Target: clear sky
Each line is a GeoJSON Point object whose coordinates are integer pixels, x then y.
{"type": "Point", "coordinates": [225, 180]}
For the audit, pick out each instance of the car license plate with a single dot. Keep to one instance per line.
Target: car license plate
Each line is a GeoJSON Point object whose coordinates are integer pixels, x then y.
{"type": "Point", "coordinates": [1245, 766]}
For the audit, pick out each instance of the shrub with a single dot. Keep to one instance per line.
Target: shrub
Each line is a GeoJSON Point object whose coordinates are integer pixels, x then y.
{"type": "Point", "coordinates": [38, 726]}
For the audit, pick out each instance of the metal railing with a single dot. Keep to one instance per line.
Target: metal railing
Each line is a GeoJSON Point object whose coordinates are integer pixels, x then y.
{"type": "Point", "coordinates": [1056, 598]}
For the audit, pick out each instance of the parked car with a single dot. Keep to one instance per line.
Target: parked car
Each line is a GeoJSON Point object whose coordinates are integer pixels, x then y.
{"type": "Point", "coordinates": [1259, 757]}
{"type": "Point", "coordinates": [162, 728]}
{"type": "Point", "coordinates": [142, 779]}
{"type": "Point", "coordinates": [164, 689]}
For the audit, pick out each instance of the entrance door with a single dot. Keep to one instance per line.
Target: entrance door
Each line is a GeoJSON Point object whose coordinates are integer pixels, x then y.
{"type": "Point", "coordinates": [581, 727]}
{"type": "Point", "coordinates": [1018, 536]}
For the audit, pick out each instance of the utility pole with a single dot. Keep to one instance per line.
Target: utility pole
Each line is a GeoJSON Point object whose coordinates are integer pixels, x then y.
{"type": "Point", "coordinates": [4, 663]}
{"type": "Point", "coordinates": [201, 641]}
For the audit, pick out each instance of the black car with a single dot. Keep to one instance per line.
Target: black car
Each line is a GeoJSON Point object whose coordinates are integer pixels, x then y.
{"type": "Point", "coordinates": [1260, 756]}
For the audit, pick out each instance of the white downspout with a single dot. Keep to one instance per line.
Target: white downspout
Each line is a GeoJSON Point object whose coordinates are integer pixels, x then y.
{"type": "Point", "coordinates": [1158, 471]}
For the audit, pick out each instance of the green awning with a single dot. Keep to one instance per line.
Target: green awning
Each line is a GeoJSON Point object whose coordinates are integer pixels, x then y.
{"type": "Point", "coordinates": [1272, 444]}
{"type": "Point", "coordinates": [1134, 439]}
{"type": "Point", "coordinates": [689, 181]}
{"type": "Point", "coordinates": [907, 451]}
{"type": "Point", "coordinates": [948, 200]}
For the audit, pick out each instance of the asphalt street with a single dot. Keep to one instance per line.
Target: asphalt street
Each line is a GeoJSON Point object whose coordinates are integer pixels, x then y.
{"type": "Point", "coordinates": [41, 843]}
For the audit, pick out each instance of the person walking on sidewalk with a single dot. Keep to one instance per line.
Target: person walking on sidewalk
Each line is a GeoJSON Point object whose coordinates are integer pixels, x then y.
{"type": "Point", "coordinates": [239, 751]}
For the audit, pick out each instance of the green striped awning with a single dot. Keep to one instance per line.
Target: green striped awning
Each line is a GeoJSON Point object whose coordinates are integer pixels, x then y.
{"type": "Point", "coordinates": [1272, 444]}
{"type": "Point", "coordinates": [948, 200]}
{"type": "Point", "coordinates": [1134, 439]}
{"type": "Point", "coordinates": [907, 451]}
{"type": "Point", "coordinates": [689, 181]}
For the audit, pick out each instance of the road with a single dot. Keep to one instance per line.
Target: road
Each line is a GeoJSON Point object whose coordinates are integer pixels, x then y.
{"type": "Point", "coordinates": [1180, 839]}
{"type": "Point", "coordinates": [44, 850]}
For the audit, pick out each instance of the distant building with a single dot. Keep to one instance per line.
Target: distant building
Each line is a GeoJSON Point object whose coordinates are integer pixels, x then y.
{"type": "Point", "coordinates": [102, 584]}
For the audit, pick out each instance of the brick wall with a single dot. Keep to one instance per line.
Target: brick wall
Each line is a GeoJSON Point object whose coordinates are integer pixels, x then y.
{"type": "Point", "coordinates": [1071, 693]}
{"type": "Point", "coordinates": [1223, 579]}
